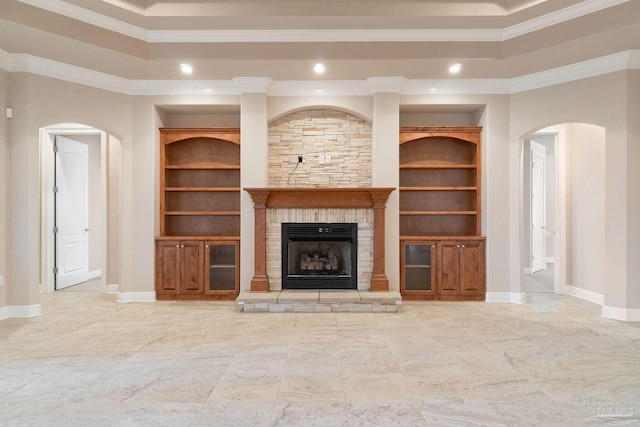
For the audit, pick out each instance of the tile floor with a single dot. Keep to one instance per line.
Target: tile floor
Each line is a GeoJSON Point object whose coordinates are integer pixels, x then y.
{"type": "Point", "coordinates": [89, 361]}
{"type": "Point", "coordinates": [540, 281]}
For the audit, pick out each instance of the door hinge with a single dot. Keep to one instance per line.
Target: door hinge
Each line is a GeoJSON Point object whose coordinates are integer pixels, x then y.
{"type": "Point", "coordinates": [56, 189]}
{"type": "Point", "coordinates": [55, 229]}
{"type": "Point", "coordinates": [55, 148]}
{"type": "Point", "coordinates": [55, 270]}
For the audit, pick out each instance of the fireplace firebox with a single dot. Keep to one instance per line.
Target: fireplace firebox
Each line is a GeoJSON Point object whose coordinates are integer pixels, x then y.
{"type": "Point", "coordinates": [319, 256]}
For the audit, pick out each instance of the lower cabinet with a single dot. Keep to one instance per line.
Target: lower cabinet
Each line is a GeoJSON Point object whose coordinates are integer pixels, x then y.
{"type": "Point", "coordinates": [442, 269]}
{"type": "Point", "coordinates": [197, 269]}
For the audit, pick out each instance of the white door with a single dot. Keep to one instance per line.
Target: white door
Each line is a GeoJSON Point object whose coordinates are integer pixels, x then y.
{"type": "Point", "coordinates": [71, 212]}
{"type": "Point", "coordinates": [538, 220]}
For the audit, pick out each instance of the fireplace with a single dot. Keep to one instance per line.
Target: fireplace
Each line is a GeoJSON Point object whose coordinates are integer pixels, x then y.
{"type": "Point", "coordinates": [319, 256]}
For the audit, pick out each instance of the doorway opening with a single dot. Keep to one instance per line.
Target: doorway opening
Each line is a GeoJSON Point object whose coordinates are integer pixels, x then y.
{"type": "Point", "coordinates": [563, 176]}
{"type": "Point", "coordinates": [78, 227]}
{"type": "Point", "coordinates": [540, 189]}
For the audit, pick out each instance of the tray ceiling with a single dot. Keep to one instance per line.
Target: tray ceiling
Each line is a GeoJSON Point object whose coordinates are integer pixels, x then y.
{"type": "Point", "coordinates": [282, 39]}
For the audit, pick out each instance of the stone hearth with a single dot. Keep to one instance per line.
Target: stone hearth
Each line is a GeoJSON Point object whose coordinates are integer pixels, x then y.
{"type": "Point", "coordinates": [323, 301]}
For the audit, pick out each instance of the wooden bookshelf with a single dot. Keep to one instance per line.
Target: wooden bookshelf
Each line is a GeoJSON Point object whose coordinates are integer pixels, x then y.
{"type": "Point", "coordinates": [440, 213]}
{"type": "Point", "coordinates": [199, 212]}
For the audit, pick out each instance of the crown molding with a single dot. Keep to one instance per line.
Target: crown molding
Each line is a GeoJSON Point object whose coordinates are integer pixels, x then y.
{"type": "Point", "coordinates": [45, 67]}
{"type": "Point", "coordinates": [578, 71]}
{"type": "Point", "coordinates": [457, 87]}
{"type": "Point", "coordinates": [628, 60]}
{"type": "Point", "coordinates": [181, 87]}
{"type": "Point", "coordinates": [320, 88]}
{"type": "Point", "coordinates": [568, 13]}
{"type": "Point", "coordinates": [90, 17]}
{"type": "Point", "coordinates": [322, 36]}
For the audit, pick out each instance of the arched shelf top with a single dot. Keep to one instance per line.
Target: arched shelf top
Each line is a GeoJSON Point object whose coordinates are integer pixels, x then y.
{"type": "Point", "coordinates": [208, 148]}
{"type": "Point", "coordinates": [439, 147]}
{"type": "Point", "coordinates": [469, 134]}
{"type": "Point", "coordinates": [171, 135]}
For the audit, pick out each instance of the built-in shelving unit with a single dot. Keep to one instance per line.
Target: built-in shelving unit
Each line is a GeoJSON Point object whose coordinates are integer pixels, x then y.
{"type": "Point", "coordinates": [199, 213]}
{"type": "Point", "coordinates": [440, 205]}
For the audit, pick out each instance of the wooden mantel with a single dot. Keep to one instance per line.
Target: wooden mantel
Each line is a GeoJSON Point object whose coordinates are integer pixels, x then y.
{"type": "Point", "coordinates": [324, 198]}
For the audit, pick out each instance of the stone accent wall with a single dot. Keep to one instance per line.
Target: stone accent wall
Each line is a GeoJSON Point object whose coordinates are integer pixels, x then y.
{"type": "Point", "coordinates": [364, 218]}
{"type": "Point", "coordinates": [312, 133]}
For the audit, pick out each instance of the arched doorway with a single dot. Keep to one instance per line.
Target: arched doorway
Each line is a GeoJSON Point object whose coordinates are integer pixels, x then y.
{"type": "Point", "coordinates": [87, 250]}
{"type": "Point", "coordinates": [563, 176]}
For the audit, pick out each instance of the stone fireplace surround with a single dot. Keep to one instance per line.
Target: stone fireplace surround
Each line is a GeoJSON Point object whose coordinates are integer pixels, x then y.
{"type": "Point", "coordinates": [298, 205]}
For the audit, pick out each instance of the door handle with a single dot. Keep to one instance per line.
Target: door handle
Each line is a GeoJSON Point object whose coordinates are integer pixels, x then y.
{"type": "Point", "coordinates": [86, 229]}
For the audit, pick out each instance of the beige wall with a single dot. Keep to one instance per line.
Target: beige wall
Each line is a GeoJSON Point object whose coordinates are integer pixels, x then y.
{"type": "Point", "coordinates": [198, 120]}
{"type": "Point", "coordinates": [633, 193]}
{"type": "Point", "coordinates": [586, 196]}
{"type": "Point", "coordinates": [437, 119]}
{"type": "Point", "coordinates": [4, 142]}
{"type": "Point", "coordinates": [23, 207]}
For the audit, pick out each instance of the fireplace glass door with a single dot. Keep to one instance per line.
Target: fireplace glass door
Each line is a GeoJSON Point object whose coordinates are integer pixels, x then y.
{"type": "Point", "coordinates": [319, 256]}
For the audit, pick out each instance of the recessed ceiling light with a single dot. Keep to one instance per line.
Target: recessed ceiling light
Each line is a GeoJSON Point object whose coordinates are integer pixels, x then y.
{"type": "Point", "coordinates": [433, 89]}
{"type": "Point", "coordinates": [208, 90]}
{"type": "Point", "coordinates": [455, 68]}
{"type": "Point", "coordinates": [186, 68]}
{"type": "Point", "coordinates": [319, 68]}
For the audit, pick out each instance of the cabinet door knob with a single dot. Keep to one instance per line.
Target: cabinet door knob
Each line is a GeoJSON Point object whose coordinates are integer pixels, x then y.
{"type": "Point", "coordinates": [463, 246]}
{"type": "Point", "coordinates": [177, 246]}
{"type": "Point", "coordinates": [182, 246]}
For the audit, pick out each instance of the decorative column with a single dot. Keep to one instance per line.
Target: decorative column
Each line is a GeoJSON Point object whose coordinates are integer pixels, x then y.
{"type": "Point", "coordinates": [379, 280]}
{"type": "Point", "coordinates": [260, 282]}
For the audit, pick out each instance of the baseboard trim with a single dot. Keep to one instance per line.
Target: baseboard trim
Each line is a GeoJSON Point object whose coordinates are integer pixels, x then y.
{"type": "Point", "coordinates": [624, 314]}
{"type": "Point", "coordinates": [12, 311]}
{"type": "Point", "coordinates": [95, 274]}
{"type": "Point", "coordinates": [510, 297]}
{"type": "Point", "coordinates": [113, 289]}
{"type": "Point", "coordinates": [136, 297]}
{"type": "Point", "coordinates": [586, 295]}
